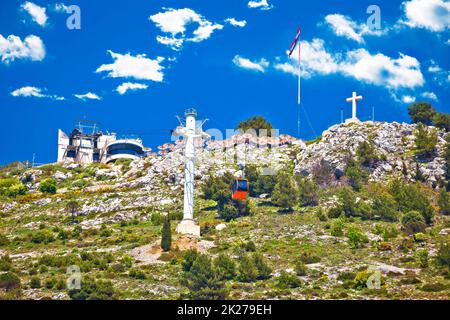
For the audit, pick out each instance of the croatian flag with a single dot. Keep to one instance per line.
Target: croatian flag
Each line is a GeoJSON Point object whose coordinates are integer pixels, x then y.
{"type": "Point", "coordinates": [294, 43]}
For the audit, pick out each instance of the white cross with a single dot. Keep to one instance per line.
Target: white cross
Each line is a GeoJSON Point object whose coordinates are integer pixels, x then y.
{"type": "Point", "coordinates": [353, 100]}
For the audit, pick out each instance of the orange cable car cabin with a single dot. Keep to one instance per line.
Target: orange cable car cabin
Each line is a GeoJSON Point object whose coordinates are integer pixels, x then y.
{"type": "Point", "coordinates": [240, 189]}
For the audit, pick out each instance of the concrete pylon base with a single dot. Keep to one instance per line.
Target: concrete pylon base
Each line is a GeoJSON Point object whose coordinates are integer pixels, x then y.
{"type": "Point", "coordinates": [188, 227]}
{"type": "Point", "coordinates": [352, 120]}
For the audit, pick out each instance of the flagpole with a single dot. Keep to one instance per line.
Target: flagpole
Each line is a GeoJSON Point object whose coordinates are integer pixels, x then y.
{"type": "Point", "coordinates": [298, 98]}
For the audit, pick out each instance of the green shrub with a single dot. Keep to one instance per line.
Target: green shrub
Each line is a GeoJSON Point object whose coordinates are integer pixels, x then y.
{"type": "Point", "coordinates": [127, 261]}
{"type": "Point", "coordinates": [188, 259]}
{"type": "Point", "coordinates": [308, 258]}
{"type": "Point", "coordinates": [300, 268]}
{"type": "Point", "coordinates": [234, 209]}
{"type": "Point", "coordinates": [105, 232]}
{"type": "Point", "coordinates": [12, 187]}
{"type": "Point", "coordinates": [413, 222]}
{"type": "Point", "coordinates": [366, 154]}
{"type": "Point", "coordinates": [409, 197]}
{"type": "Point", "coordinates": [5, 263]}
{"type": "Point", "coordinates": [247, 269]}
{"type": "Point", "coordinates": [308, 191]}
{"type": "Point", "coordinates": [422, 256]}
{"type": "Point", "coordinates": [166, 238]}
{"type": "Point", "coordinates": [357, 175]}
{"type": "Point", "coordinates": [218, 188]}
{"type": "Point", "coordinates": [35, 282]}
{"type": "Point", "coordinates": [261, 265]}
{"type": "Point", "coordinates": [442, 120]}
{"type": "Point", "coordinates": [249, 246]}
{"type": "Point", "coordinates": [50, 283]}
{"type": "Point", "coordinates": [224, 267]}
{"type": "Point", "coordinates": [93, 290]}
{"type": "Point", "coordinates": [288, 280]}
{"type": "Point", "coordinates": [356, 238]}
{"type": "Point", "coordinates": [361, 279]}
{"type": "Point", "coordinates": [443, 255]}
{"type": "Point", "coordinates": [4, 241]}
{"type": "Point", "coordinates": [256, 123]}
{"type": "Point", "coordinates": [42, 236]}
{"type": "Point", "coordinates": [48, 186]}
{"type": "Point", "coordinates": [9, 281]}
{"type": "Point", "coordinates": [156, 219]}
{"type": "Point", "coordinates": [337, 228]}
{"type": "Point", "coordinates": [285, 191]}
{"type": "Point", "coordinates": [137, 274]}
{"type": "Point", "coordinates": [385, 206]}
{"type": "Point", "coordinates": [421, 112]}
{"type": "Point", "coordinates": [202, 281]}
{"type": "Point", "coordinates": [322, 215]}
{"type": "Point", "coordinates": [425, 140]}
{"type": "Point", "coordinates": [444, 202]}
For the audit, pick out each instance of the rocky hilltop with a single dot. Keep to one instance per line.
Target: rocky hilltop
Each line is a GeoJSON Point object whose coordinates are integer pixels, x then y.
{"type": "Point", "coordinates": [113, 232]}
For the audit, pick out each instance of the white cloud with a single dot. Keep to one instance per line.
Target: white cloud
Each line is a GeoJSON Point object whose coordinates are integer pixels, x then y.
{"type": "Point", "coordinates": [377, 69]}
{"type": "Point", "coordinates": [346, 27]}
{"type": "Point", "coordinates": [36, 12]}
{"type": "Point", "coordinates": [236, 23]}
{"type": "Point", "coordinates": [261, 4]}
{"type": "Point", "coordinates": [433, 15]}
{"type": "Point", "coordinates": [408, 99]}
{"type": "Point", "coordinates": [124, 87]}
{"type": "Point", "coordinates": [439, 75]}
{"type": "Point", "coordinates": [13, 48]}
{"type": "Point", "coordinates": [29, 91]}
{"type": "Point", "coordinates": [430, 95]}
{"type": "Point", "coordinates": [245, 63]}
{"type": "Point", "coordinates": [314, 60]}
{"type": "Point", "coordinates": [88, 96]}
{"type": "Point", "coordinates": [175, 21]}
{"type": "Point", "coordinates": [138, 67]}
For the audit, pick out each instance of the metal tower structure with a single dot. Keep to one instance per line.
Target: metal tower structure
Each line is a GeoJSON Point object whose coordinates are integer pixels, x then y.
{"type": "Point", "coordinates": [190, 130]}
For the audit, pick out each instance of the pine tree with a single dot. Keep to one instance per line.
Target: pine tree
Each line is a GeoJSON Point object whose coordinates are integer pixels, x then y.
{"type": "Point", "coordinates": [285, 193]}
{"type": "Point", "coordinates": [166, 239]}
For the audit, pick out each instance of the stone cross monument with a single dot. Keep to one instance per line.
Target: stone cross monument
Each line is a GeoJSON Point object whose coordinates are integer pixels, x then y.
{"type": "Point", "coordinates": [353, 100]}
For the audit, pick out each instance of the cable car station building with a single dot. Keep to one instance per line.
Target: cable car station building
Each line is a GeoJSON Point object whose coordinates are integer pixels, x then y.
{"type": "Point", "coordinates": [87, 146]}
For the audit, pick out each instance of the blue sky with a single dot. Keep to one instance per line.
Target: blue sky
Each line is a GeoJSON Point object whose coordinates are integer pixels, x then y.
{"type": "Point", "coordinates": [134, 65]}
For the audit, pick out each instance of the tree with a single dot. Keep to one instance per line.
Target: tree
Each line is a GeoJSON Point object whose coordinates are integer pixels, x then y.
{"type": "Point", "coordinates": [421, 112]}
{"type": "Point", "coordinates": [247, 269]}
{"type": "Point", "coordinates": [218, 188]}
{"type": "Point", "coordinates": [224, 267]}
{"type": "Point", "coordinates": [442, 121]}
{"type": "Point", "coordinates": [261, 265]}
{"type": "Point", "coordinates": [48, 186]}
{"type": "Point", "coordinates": [72, 207]}
{"type": "Point", "coordinates": [93, 290]}
{"type": "Point", "coordinates": [285, 193]}
{"type": "Point", "coordinates": [202, 282]}
{"type": "Point", "coordinates": [166, 239]}
{"type": "Point", "coordinates": [409, 197]}
{"type": "Point", "coordinates": [444, 202]}
{"type": "Point", "coordinates": [425, 140]}
{"type": "Point", "coordinates": [366, 154]}
{"type": "Point", "coordinates": [256, 123]}
{"type": "Point", "coordinates": [446, 157]}
{"type": "Point", "coordinates": [356, 174]}
{"type": "Point", "coordinates": [413, 222]}
{"type": "Point", "coordinates": [308, 191]}
{"type": "Point", "coordinates": [385, 207]}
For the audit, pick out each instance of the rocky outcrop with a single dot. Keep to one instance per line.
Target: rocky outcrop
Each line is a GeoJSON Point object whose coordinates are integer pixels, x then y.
{"type": "Point", "coordinates": [393, 142]}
